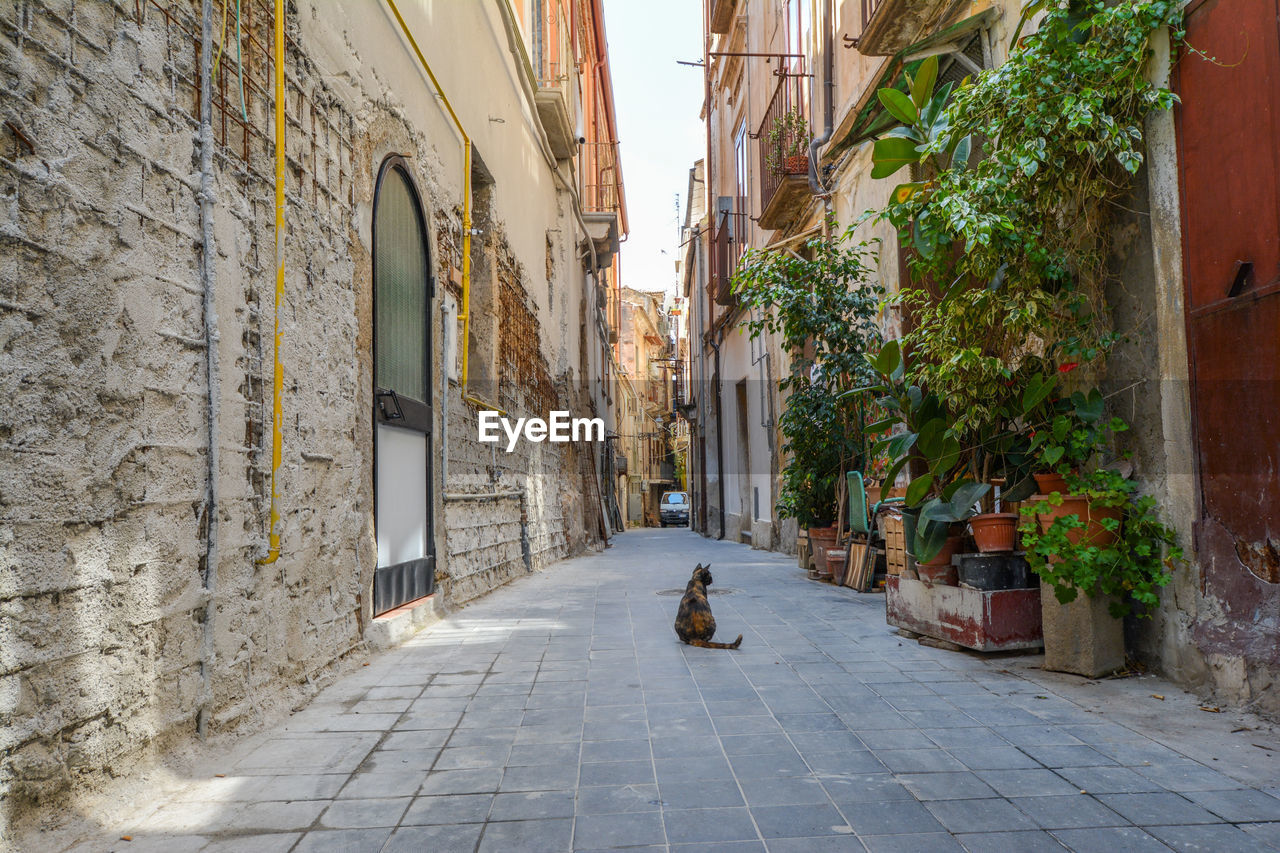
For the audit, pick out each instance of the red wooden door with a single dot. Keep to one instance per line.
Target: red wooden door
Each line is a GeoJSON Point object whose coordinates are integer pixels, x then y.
{"type": "Point", "coordinates": [1229, 150]}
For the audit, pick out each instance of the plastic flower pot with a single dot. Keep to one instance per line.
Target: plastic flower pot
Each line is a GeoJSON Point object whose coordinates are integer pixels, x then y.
{"type": "Point", "coordinates": [796, 164]}
{"type": "Point", "coordinates": [995, 571]}
{"type": "Point", "coordinates": [994, 532]}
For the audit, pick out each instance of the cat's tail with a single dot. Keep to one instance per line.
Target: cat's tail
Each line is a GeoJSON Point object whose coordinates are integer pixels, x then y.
{"type": "Point", "coordinates": [707, 644]}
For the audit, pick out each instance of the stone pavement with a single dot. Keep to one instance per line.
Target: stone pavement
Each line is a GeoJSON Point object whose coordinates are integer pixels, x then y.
{"type": "Point", "coordinates": [560, 713]}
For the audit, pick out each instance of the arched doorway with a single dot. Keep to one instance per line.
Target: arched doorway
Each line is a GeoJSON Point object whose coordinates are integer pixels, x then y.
{"type": "Point", "coordinates": [402, 379]}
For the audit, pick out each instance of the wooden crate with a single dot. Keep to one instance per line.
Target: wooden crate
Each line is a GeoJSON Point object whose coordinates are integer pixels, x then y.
{"type": "Point", "coordinates": [895, 543]}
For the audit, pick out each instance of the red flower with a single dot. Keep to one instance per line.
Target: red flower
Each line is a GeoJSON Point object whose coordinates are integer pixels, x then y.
{"type": "Point", "coordinates": [1068, 367]}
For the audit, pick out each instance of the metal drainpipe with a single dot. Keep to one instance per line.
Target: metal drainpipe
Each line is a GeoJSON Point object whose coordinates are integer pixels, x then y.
{"type": "Point", "coordinates": [444, 402]}
{"type": "Point", "coordinates": [277, 374]}
{"type": "Point", "coordinates": [828, 108]}
{"type": "Point", "coordinates": [709, 184]}
{"type": "Point", "coordinates": [719, 436]}
{"type": "Point", "coordinates": [210, 579]}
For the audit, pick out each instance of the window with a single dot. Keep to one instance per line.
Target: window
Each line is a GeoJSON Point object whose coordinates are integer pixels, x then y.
{"type": "Point", "coordinates": [741, 171]}
{"type": "Point", "coordinates": [400, 264]}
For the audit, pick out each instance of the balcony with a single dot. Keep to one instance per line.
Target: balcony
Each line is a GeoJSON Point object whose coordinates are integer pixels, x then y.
{"type": "Point", "coordinates": [601, 178]}
{"type": "Point", "coordinates": [783, 140]}
{"type": "Point", "coordinates": [888, 26]}
{"type": "Point", "coordinates": [602, 201]}
{"type": "Point", "coordinates": [728, 241]}
{"type": "Point", "coordinates": [551, 52]}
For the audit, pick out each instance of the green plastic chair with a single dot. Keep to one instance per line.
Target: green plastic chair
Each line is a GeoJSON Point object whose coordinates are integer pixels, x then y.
{"type": "Point", "coordinates": [861, 521]}
{"type": "Point", "coordinates": [857, 504]}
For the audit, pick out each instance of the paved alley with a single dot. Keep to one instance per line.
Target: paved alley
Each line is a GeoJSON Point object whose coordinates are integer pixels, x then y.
{"type": "Point", "coordinates": [560, 713]}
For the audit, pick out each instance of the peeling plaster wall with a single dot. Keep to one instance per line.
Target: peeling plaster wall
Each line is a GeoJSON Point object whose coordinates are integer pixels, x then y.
{"type": "Point", "coordinates": [103, 424]}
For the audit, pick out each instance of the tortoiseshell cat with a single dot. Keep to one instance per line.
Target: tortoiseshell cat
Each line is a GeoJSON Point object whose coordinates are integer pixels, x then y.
{"type": "Point", "coordinates": [694, 623]}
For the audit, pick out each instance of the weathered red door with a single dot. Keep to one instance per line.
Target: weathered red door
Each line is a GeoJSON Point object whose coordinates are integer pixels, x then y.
{"type": "Point", "coordinates": [1229, 150]}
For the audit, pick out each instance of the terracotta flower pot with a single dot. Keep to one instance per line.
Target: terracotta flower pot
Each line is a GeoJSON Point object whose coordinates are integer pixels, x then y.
{"type": "Point", "coordinates": [1094, 533]}
{"type": "Point", "coordinates": [820, 540]}
{"type": "Point", "coordinates": [837, 561]}
{"type": "Point", "coordinates": [994, 531]}
{"type": "Point", "coordinates": [939, 570]}
{"type": "Point", "coordinates": [796, 164]}
{"type": "Point", "coordinates": [1050, 482]}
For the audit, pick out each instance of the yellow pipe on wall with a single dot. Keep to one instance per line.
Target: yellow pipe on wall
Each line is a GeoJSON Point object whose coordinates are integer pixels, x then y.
{"type": "Point", "coordinates": [465, 314]}
{"type": "Point", "coordinates": [277, 382]}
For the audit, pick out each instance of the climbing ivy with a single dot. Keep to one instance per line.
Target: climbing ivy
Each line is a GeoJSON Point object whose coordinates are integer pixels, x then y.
{"type": "Point", "coordinates": [1016, 242]}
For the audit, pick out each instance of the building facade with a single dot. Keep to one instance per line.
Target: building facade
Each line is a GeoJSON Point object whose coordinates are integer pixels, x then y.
{"type": "Point", "coordinates": [1188, 264]}
{"type": "Point", "coordinates": [258, 280]}
{"type": "Point", "coordinates": [645, 432]}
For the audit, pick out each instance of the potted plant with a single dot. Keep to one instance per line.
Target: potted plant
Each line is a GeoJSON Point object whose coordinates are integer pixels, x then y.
{"type": "Point", "coordinates": [1100, 548]}
{"type": "Point", "coordinates": [788, 152]}
{"type": "Point", "coordinates": [940, 497]}
{"type": "Point", "coordinates": [823, 306]}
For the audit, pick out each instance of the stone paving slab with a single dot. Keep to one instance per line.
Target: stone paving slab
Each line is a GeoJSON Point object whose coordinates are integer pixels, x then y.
{"type": "Point", "coordinates": [561, 714]}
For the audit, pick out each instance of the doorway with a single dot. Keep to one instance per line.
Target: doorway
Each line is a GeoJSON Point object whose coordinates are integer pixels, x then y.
{"type": "Point", "coordinates": [1228, 123]}
{"type": "Point", "coordinates": [402, 379]}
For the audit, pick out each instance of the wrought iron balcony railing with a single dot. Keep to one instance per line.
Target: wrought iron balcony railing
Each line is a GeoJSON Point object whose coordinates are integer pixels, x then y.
{"type": "Point", "coordinates": [601, 178]}
{"type": "Point", "coordinates": [552, 49]}
{"type": "Point", "coordinates": [729, 236]}
{"type": "Point", "coordinates": [783, 136]}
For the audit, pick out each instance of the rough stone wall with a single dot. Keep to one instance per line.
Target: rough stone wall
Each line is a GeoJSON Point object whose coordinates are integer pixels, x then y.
{"type": "Point", "coordinates": [101, 374]}
{"type": "Point", "coordinates": [493, 541]}
{"type": "Point", "coordinates": [110, 643]}
{"type": "Point", "coordinates": [103, 605]}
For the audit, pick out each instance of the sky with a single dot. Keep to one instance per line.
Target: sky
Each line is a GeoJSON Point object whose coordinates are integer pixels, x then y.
{"type": "Point", "coordinates": [659, 133]}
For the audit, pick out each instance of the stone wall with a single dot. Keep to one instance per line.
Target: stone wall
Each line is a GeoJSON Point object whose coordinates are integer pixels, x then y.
{"type": "Point", "coordinates": [118, 638]}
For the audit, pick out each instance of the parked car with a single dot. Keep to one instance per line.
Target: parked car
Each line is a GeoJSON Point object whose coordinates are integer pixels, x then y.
{"type": "Point", "coordinates": [674, 509]}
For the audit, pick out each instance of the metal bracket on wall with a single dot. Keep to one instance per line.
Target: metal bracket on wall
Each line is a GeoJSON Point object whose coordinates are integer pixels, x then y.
{"type": "Point", "coordinates": [382, 395]}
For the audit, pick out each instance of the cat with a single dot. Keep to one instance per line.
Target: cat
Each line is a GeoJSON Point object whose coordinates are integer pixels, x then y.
{"type": "Point", "coordinates": [694, 623]}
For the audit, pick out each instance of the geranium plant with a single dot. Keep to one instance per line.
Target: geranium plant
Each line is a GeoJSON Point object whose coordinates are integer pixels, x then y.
{"type": "Point", "coordinates": [1127, 553]}
{"type": "Point", "coordinates": [788, 137]}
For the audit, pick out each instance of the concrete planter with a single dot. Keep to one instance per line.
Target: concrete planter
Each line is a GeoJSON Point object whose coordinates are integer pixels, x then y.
{"type": "Point", "coordinates": [986, 621]}
{"type": "Point", "coordinates": [1081, 637]}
